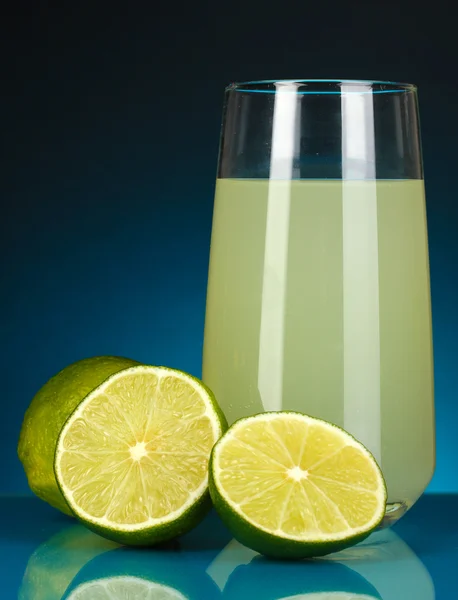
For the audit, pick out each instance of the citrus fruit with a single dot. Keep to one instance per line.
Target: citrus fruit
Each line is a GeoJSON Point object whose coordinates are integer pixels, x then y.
{"type": "Point", "coordinates": [46, 415]}
{"type": "Point", "coordinates": [289, 485]}
{"type": "Point", "coordinates": [132, 459]}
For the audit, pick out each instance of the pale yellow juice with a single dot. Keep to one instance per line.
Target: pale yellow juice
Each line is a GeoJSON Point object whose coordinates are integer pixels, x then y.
{"type": "Point", "coordinates": [319, 302]}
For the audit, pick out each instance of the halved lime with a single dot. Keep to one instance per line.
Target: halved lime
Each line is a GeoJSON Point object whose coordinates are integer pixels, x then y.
{"type": "Point", "coordinates": [289, 485]}
{"type": "Point", "coordinates": [124, 588]}
{"type": "Point", "coordinates": [132, 459]}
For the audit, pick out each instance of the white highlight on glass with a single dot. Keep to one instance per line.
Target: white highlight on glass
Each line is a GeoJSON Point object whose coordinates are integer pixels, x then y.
{"type": "Point", "coordinates": [362, 415]}
{"type": "Point", "coordinates": [272, 329]}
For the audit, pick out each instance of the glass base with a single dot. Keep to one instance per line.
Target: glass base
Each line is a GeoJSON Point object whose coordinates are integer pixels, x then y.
{"type": "Point", "coordinates": [394, 511]}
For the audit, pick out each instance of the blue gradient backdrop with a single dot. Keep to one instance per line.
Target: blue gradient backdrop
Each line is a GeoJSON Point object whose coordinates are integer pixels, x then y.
{"type": "Point", "coordinates": [111, 123]}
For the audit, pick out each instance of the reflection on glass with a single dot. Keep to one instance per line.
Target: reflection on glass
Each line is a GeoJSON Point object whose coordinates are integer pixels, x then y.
{"type": "Point", "coordinates": [383, 567]}
{"type": "Point", "coordinates": [77, 564]}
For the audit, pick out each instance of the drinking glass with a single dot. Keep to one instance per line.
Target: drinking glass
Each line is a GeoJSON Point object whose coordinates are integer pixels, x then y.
{"type": "Point", "coordinates": [318, 293]}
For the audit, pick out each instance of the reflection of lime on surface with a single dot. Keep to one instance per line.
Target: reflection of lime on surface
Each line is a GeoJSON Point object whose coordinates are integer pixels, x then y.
{"type": "Point", "coordinates": [77, 560]}
{"type": "Point", "coordinates": [132, 459]}
{"type": "Point", "coordinates": [46, 416]}
{"type": "Point", "coordinates": [54, 564]}
{"type": "Point", "coordinates": [124, 588]}
{"type": "Point", "coordinates": [127, 573]}
{"type": "Point", "coordinates": [329, 596]}
{"type": "Point", "coordinates": [289, 485]}
{"type": "Point", "coordinates": [284, 580]}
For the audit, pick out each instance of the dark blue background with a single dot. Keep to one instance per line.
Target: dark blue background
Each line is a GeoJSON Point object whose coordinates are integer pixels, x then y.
{"type": "Point", "coordinates": [111, 123]}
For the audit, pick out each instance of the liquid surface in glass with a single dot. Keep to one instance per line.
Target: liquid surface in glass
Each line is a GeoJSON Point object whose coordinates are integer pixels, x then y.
{"type": "Point", "coordinates": [318, 301]}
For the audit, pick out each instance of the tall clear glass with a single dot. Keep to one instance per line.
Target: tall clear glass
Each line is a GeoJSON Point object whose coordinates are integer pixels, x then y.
{"type": "Point", "coordinates": [318, 294]}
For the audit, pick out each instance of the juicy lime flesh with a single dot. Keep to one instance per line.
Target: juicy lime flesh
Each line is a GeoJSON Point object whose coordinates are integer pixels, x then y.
{"type": "Point", "coordinates": [125, 588]}
{"type": "Point", "coordinates": [299, 477]}
{"type": "Point", "coordinates": [136, 451]}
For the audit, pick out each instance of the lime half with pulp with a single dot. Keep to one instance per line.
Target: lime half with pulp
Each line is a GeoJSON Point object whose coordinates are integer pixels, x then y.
{"type": "Point", "coordinates": [132, 459]}
{"type": "Point", "coordinates": [289, 485]}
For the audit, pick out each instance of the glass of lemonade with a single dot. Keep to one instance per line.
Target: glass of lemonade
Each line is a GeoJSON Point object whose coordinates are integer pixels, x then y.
{"type": "Point", "coordinates": [318, 294]}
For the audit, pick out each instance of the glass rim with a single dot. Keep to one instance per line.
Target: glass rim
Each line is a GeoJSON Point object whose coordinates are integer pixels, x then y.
{"type": "Point", "coordinates": [269, 86]}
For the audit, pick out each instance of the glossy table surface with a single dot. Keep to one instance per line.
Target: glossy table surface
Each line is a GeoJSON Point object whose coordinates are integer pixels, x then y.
{"type": "Point", "coordinates": [47, 556]}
